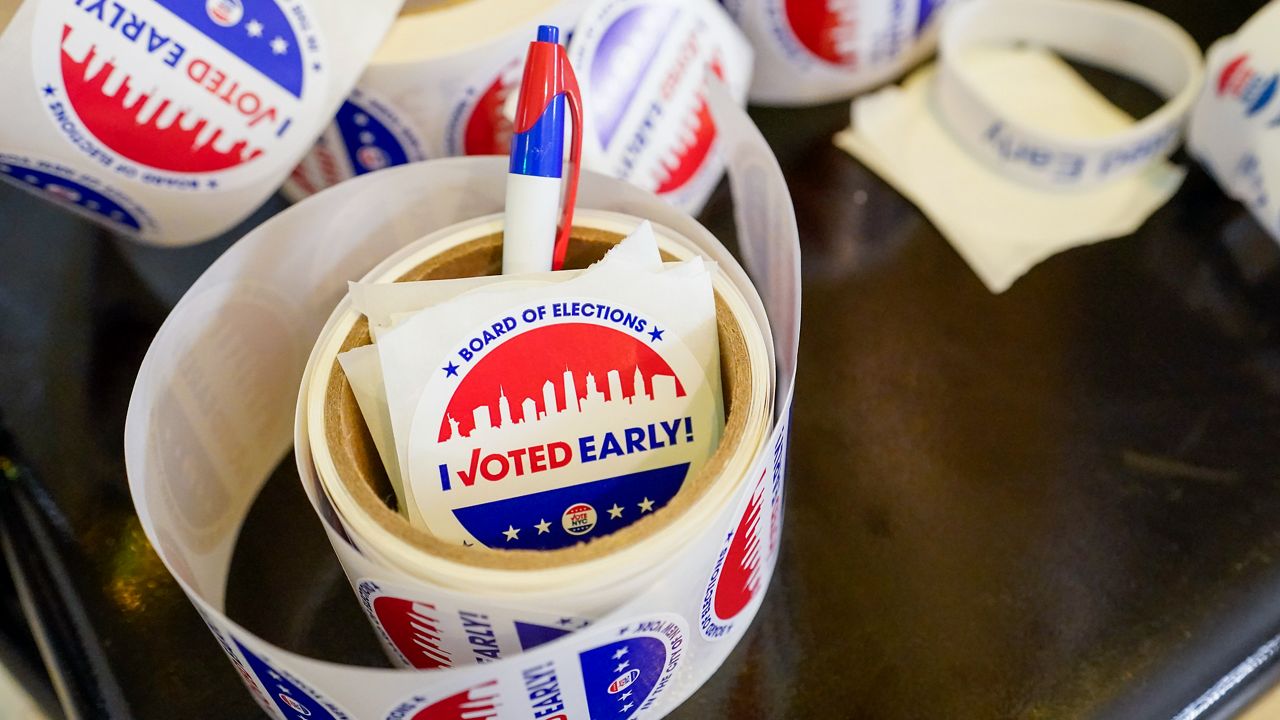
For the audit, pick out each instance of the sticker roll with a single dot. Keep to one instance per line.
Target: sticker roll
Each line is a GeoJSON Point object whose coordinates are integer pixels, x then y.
{"type": "Point", "coordinates": [1120, 36]}
{"type": "Point", "coordinates": [1233, 125]}
{"type": "Point", "coordinates": [443, 82]}
{"type": "Point", "coordinates": [209, 420]}
{"type": "Point", "coordinates": [549, 593]}
{"type": "Point", "coordinates": [171, 121]}
{"type": "Point", "coordinates": [815, 51]}
{"type": "Point", "coordinates": [346, 464]}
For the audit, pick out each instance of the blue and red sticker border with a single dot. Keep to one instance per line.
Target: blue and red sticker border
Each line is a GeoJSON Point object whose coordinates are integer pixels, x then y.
{"type": "Point", "coordinates": [617, 675]}
{"type": "Point", "coordinates": [78, 191]}
{"type": "Point", "coordinates": [277, 692]}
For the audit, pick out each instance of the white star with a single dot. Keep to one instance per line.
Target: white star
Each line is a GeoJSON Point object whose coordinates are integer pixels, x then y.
{"type": "Point", "coordinates": [620, 653]}
{"type": "Point", "coordinates": [511, 532]}
{"type": "Point", "coordinates": [360, 119]}
{"type": "Point", "coordinates": [622, 666]}
{"type": "Point", "coordinates": [254, 28]}
{"type": "Point", "coordinates": [625, 695]}
{"type": "Point", "coordinates": [646, 505]}
{"type": "Point", "coordinates": [92, 205]}
{"type": "Point", "coordinates": [366, 138]}
{"type": "Point", "coordinates": [543, 527]}
{"type": "Point", "coordinates": [627, 707]}
{"type": "Point", "coordinates": [615, 512]}
{"type": "Point", "coordinates": [279, 45]}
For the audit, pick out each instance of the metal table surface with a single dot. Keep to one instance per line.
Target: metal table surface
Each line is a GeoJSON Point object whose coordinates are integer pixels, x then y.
{"type": "Point", "coordinates": [1061, 501]}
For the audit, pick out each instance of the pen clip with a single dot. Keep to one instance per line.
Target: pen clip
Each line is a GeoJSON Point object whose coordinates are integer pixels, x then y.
{"type": "Point", "coordinates": [574, 96]}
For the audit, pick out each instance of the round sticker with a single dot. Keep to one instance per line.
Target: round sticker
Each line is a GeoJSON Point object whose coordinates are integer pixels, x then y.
{"type": "Point", "coordinates": [174, 93]}
{"type": "Point", "coordinates": [851, 34]}
{"type": "Point", "coordinates": [478, 703]}
{"type": "Point", "coordinates": [291, 697]}
{"type": "Point", "coordinates": [579, 519]}
{"type": "Point", "coordinates": [413, 629]}
{"type": "Point", "coordinates": [628, 675]}
{"type": "Point", "coordinates": [366, 135]}
{"type": "Point", "coordinates": [644, 68]}
{"type": "Point", "coordinates": [740, 570]}
{"type": "Point", "coordinates": [1242, 82]}
{"type": "Point", "coordinates": [556, 423]}
{"type": "Point", "coordinates": [443, 633]}
{"type": "Point", "coordinates": [480, 125]}
{"type": "Point", "coordinates": [81, 194]}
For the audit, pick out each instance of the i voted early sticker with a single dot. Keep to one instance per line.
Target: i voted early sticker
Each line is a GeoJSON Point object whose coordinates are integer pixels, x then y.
{"type": "Point", "coordinates": [182, 95]}
{"type": "Point", "coordinates": [557, 422]}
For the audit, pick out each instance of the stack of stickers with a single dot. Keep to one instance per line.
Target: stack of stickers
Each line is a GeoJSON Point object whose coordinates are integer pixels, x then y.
{"type": "Point", "coordinates": [540, 411]}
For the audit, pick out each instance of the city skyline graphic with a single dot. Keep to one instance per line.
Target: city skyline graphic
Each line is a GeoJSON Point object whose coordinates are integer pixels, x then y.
{"type": "Point", "coordinates": [591, 399]}
{"type": "Point", "coordinates": [558, 372]}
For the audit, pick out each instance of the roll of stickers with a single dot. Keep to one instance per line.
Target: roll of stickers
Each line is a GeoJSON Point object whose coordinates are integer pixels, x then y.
{"type": "Point", "coordinates": [1120, 36]}
{"type": "Point", "coordinates": [495, 638]}
{"type": "Point", "coordinates": [1234, 124]}
{"type": "Point", "coordinates": [815, 51]}
{"type": "Point", "coordinates": [439, 86]}
{"type": "Point", "coordinates": [169, 120]}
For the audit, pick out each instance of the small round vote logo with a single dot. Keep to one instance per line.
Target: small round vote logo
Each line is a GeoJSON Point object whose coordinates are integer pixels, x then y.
{"type": "Point", "coordinates": [224, 12]}
{"type": "Point", "coordinates": [579, 519]}
{"type": "Point", "coordinates": [739, 572]}
{"type": "Point", "coordinates": [170, 89]}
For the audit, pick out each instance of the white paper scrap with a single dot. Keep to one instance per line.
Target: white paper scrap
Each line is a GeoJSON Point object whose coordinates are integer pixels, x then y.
{"type": "Point", "coordinates": [1000, 227]}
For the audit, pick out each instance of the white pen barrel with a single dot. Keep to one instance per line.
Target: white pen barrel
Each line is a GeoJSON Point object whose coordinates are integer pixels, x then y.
{"type": "Point", "coordinates": [533, 210]}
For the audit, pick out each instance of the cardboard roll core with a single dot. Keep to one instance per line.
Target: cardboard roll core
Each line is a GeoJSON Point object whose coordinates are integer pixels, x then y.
{"type": "Point", "coordinates": [8, 8]}
{"type": "Point", "coordinates": [361, 472]}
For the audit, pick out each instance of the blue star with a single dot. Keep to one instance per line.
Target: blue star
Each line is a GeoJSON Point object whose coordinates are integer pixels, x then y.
{"type": "Point", "coordinates": [656, 334]}
{"type": "Point", "coordinates": [48, 90]}
{"type": "Point", "coordinates": [315, 67]}
{"type": "Point", "coordinates": [213, 183]}
{"type": "Point", "coordinates": [451, 369]}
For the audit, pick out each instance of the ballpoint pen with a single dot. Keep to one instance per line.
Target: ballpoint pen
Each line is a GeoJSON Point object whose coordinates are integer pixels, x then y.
{"type": "Point", "coordinates": [531, 242]}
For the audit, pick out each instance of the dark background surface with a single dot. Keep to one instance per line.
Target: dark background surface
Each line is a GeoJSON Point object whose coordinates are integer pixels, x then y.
{"type": "Point", "coordinates": [1062, 501]}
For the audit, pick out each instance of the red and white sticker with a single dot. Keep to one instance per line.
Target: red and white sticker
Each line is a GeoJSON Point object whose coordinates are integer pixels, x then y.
{"type": "Point", "coordinates": [643, 66]}
{"type": "Point", "coordinates": [178, 94]}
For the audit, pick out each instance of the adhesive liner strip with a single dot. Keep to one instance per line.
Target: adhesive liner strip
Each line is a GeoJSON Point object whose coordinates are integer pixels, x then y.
{"type": "Point", "coordinates": [816, 51]}
{"type": "Point", "coordinates": [440, 86]}
{"type": "Point", "coordinates": [171, 121]}
{"type": "Point", "coordinates": [1131, 40]}
{"type": "Point", "coordinates": [208, 422]}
